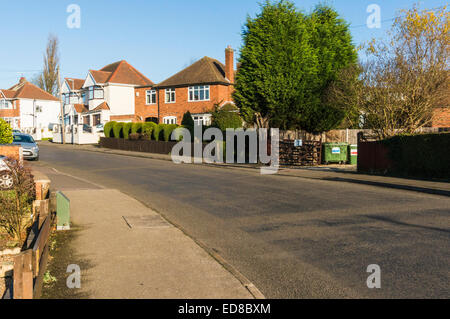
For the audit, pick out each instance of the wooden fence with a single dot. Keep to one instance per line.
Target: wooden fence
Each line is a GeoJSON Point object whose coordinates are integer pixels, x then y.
{"type": "Point", "coordinates": [31, 264]}
{"type": "Point", "coordinates": [146, 146]}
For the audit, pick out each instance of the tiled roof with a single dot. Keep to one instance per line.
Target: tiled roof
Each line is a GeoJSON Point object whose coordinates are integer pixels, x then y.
{"type": "Point", "coordinates": [204, 71]}
{"type": "Point", "coordinates": [100, 76]}
{"type": "Point", "coordinates": [75, 84]}
{"type": "Point", "coordinates": [27, 90]}
{"type": "Point", "coordinates": [80, 108]}
{"type": "Point", "coordinates": [103, 106]}
{"type": "Point", "coordinates": [122, 73]}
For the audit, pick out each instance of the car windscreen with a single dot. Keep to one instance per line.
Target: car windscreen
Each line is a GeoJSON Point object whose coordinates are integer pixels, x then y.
{"type": "Point", "coordinates": [23, 139]}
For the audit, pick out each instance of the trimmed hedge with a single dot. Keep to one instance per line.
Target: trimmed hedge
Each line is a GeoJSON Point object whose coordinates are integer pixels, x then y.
{"type": "Point", "coordinates": [426, 155]}
{"type": "Point", "coordinates": [127, 130]}
{"type": "Point", "coordinates": [118, 130]}
{"type": "Point", "coordinates": [147, 130]}
{"type": "Point", "coordinates": [167, 131]}
{"type": "Point", "coordinates": [158, 129]}
{"type": "Point", "coordinates": [136, 128]}
{"type": "Point", "coordinates": [108, 128]}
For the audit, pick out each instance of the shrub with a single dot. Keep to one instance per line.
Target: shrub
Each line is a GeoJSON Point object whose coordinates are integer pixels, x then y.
{"type": "Point", "coordinates": [136, 128]}
{"type": "Point", "coordinates": [167, 131]}
{"type": "Point", "coordinates": [108, 128]}
{"type": "Point", "coordinates": [158, 129]}
{"type": "Point", "coordinates": [118, 130]}
{"type": "Point", "coordinates": [147, 130]}
{"type": "Point", "coordinates": [223, 119]}
{"type": "Point", "coordinates": [16, 204]}
{"type": "Point", "coordinates": [187, 119]}
{"type": "Point", "coordinates": [127, 130]}
{"type": "Point", "coordinates": [425, 155]}
{"type": "Point", "coordinates": [6, 136]}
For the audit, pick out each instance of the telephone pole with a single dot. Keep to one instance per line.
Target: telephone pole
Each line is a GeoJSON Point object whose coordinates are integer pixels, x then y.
{"type": "Point", "coordinates": [63, 124]}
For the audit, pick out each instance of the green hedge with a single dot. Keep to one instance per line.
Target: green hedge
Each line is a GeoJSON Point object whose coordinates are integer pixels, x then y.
{"type": "Point", "coordinates": [108, 128]}
{"type": "Point", "coordinates": [127, 130]}
{"type": "Point", "coordinates": [136, 128]}
{"type": "Point", "coordinates": [157, 132]}
{"type": "Point", "coordinates": [147, 130]}
{"type": "Point", "coordinates": [426, 155]}
{"type": "Point", "coordinates": [118, 130]}
{"type": "Point", "coordinates": [167, 131]}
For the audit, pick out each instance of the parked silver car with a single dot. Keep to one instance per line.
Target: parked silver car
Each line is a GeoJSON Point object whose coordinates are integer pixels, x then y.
{"type": "Point", "coordinates": [30, 147]}
{"type": "Point", "coordinates": [6, 179]}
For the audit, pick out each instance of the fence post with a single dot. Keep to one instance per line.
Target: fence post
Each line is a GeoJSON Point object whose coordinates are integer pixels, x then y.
{"type": "Point", "coordinates": [23, 275]}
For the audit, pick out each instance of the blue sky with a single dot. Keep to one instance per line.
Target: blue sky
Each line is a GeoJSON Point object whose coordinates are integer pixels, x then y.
{"type": "Point", "coordinates": [159, 38]}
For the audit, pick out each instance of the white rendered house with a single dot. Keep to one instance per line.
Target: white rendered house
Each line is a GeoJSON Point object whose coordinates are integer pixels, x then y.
{"type": "Point", "coordinates": [104, 95]}
{"type": "Point", "coordinates": [30, 109]}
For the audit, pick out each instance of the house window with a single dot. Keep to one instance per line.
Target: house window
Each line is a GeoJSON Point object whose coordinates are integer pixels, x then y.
{"type": "Point", "coordinates": [95, 93]}
{"type": "Point", "coordinates": [150, 97]}
{"type": "Point", "coordinates": [5, 105]}
{"type": "Point", "coordinates": [199, 93]}
{"type": "Point", "coordinates": [203, 119]}
{"type": "Point", "coordinates": [170, 96]}
{"type": "Point", "coordinates": [170, 120]}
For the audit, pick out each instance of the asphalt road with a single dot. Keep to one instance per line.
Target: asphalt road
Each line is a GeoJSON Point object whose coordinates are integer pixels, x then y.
{"type": "Point", "coordinates": [292, 237]}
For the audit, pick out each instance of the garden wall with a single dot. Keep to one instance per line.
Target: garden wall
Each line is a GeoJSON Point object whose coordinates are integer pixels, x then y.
{"type": "Point", "coordinates": [11, 151]}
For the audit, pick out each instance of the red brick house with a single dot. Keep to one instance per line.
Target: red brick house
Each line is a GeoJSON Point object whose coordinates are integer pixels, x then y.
{"type": "Point", "coordinates": [196, 89]}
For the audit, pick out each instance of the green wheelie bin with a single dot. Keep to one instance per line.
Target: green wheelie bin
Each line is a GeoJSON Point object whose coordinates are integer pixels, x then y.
{"type": "Point", "coordinates": [335, 153]}
{"type": "Point", "coordinates": [353, 154]}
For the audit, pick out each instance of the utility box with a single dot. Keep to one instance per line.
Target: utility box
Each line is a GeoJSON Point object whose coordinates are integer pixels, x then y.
{"type": "Point", "coordinates": [353, 154]}
{"type": "Point", "coordinates": [335, 153]}
{"type": "Point", "coordinates": [62, 212]}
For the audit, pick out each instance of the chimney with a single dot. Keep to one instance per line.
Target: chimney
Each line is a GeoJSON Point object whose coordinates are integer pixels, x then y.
{"type": "Point", "coordinates": [22, 80]}
{"type": "Point", "coordinates": [229, 64]}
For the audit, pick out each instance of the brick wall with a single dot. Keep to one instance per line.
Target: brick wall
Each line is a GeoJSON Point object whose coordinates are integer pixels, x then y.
{"type": "Point", "coordinates": [218, 93]}
{"type": "Point", "coordinates": [142, 110]}
{"type": "Point", "coordinates": [441, 117]}
{"type": "Point", "coordinates": [11, 151]}
{"type": "Point", "coordinates": [14, 112]}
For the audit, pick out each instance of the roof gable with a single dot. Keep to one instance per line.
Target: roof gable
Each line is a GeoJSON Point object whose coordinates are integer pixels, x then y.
{"type": "Point", "coordinates": [74, 84]}
{"type": "Point", "coordinates": [205, 71]}
{"type": "Point", "coordinates": [27, 90]}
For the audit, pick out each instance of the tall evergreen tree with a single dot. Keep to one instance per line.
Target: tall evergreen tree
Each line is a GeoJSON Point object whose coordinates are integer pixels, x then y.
{"type": "Point", "coordinates": [287, 62]}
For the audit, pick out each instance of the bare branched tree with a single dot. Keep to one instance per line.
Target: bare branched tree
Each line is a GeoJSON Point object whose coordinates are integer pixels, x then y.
{"type": "Point", "coordinates": [407, 78]}
{"type": "Point", "coordinates": [48, 78]}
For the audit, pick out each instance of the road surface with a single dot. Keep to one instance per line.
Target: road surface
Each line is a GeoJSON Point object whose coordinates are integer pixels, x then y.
{"type": "Point", "coordinates": [292, 237]}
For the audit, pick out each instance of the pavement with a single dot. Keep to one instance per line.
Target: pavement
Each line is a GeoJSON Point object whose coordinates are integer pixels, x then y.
{"type": "Point", "coordinates": [304, 236]}
{"type": "Point", "coordinates": [128, 251]}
